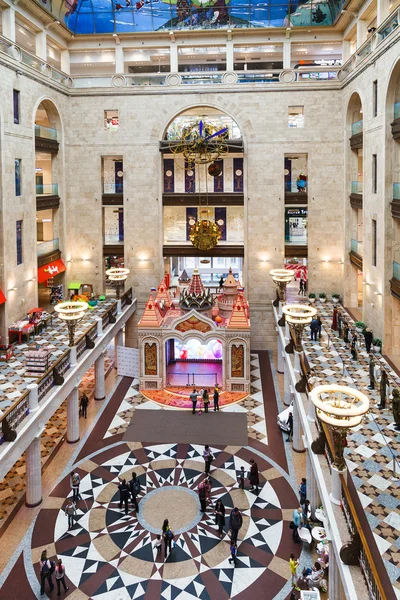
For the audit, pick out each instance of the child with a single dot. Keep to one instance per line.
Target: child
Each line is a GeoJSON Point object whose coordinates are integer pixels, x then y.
{"type": "Point", "coordinates": [157, 544]}
{"type": "Point", "coordinates": [241, 478]}
{"type": "Point", "coordinates": [293, 567]}
{"type": "Point", "coordinates": [233, 552]}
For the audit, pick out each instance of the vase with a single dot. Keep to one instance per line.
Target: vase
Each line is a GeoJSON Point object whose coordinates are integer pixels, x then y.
{"type": "Point", "coordinates": [311, 300]}
{"type": "Point", "coordinates": [335, 300]}
{"type": "Point", "coordinates": [322, 300]}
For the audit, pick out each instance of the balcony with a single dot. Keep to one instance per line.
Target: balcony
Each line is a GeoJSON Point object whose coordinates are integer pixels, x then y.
{"type": "Point", "coordinates": [396, 201]}
{"type": "Point", "coordinates": [356, 139]}
{"type": "Point", "coordinates": [46, 139]}
{"type": "Point", "coordinates": [396, 122]}
{"type": "Point", "coordinates": [47, 196]}
{"type": "Point", "coordinates": [356, 196]}
{"type": "Point", "coordinates": [395, 281]}
{"type": "Point", "coordinates": [48, 251]}
{"type": "Point", "coordinates": [214, 199]}
{"type": "Point", "coordinates": [296, 192]}
{"type": "Point", "coordinates": [113, 194]}
{"type": "Point", "coordinates": [356, 253]}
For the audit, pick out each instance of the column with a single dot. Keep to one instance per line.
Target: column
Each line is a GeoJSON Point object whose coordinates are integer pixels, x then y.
{"type": "Point", "coordinates": [287, 58]}
{"type": "Point", "coordinates": [345, 50]}
{"type": "Point", "coordinates": [73, 416]}
{"type": "Point", "coordinates": [8, 21]}
{"type": "Point", "coordinates": [382, 11]}
{"type": "Point", "coordinates": [173, 57]}
{"type": "Point", "coordinates": [33, 396]}
{"type": "Point", "coordinates": [298, 445]}
{"type": "Point", "coordinates": [335, 586]}
{"type": "Point", "coordinates": [118, 341]}
{"type": "Point", "coordinates": [312, 487]}
{"type": "Point", "coordinates": [41, 45]}
{"type": "Point", "coordinates": [281, 361]}
{"type": "Point", "coordinates": [311, 411]}
{"type": "Point", "coordinates": [65, 62]}
{"type": "Point", "coordinates": [131, 340]}
{"type": "Point", "coordinates": [33, 495]}
{"type": "Point", "coordinates": [119, 59]}
{"type": "Point", "coordinates": [336, 485]}
{"type": "Point", "coordinates": [361, 32]}
{"type": "Point", "coordinates": [99, 390]}
{"type": "Point", "coordinates": [297, 367]}
{"type": "Point", "coordinates": [229, 56]}
{"type": "Point", "coordinates": [287, 388]}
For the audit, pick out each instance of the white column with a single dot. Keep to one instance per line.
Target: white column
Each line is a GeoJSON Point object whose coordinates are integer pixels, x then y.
{"type": "Point", "coordinates": [33, 396]}
{"type": "Point", "coordinates": [281, 362]}
{"type": "Point", "coordinates": [8, 22]}
{"type": "Point", "coordinates": [345, 50]}
{"type": "Point", "coordinates": [280, 309]}
{"type": "Point", "coordinates": [73, 416]}
{"type": "Point", "coordinates": [72, 356]}
{"type": "Point", "coordinates": [298, 445]}
{"type": "Point", "coordinates": [312, 487]}
{"type": "Point", "coordinates": [287, 58]}
{"type": "Point", "coordinates": [41, 45]}
{"type": "Point", "coordinates": [287, 390]}
{"type": "Point", "coordinates": [99, 321]}
{"type": "Point", "coordinates": [297, 367]}
{"type": "Point", "coordinates": [287, 332]}
{"type": "Point", "coordinates": [65, 62]}
{"type": "Point", "coordinates": [119, 59]}
{"type": "Point", "coordinates": [336, 485]}
{"type": "Point", "coordinates": [33, 495]}
{"type": "Point", "coordinates": [99, 390]}
{"type": "Point", "coordinates": [311, 411]}
{"type": "Point", "coordinates": [382, 11]}
{"type": "Point", "coordinates": [229, 56]}
{"type": "Point", "coordinates": [173, 57]}
{"type": "Point", "coordinates": [335, 586]}
{"type": "Point", "coordinates": [361, 32]}
{"type": "Point", "coordinates": [118, 341]}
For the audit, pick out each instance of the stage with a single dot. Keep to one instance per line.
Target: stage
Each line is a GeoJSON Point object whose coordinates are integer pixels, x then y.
{"type": "Point", "coordinates": [178, 398]}
{"type": "Point", "coordinates": [195, 374]}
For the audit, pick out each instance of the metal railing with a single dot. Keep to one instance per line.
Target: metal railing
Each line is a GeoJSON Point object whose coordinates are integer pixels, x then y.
{"type": "Point", "coordinates": [396, 270]}
{"type": "Point", "coordinates": [45, 132]}
{"type": "Point", "coordinates": [19, 410]}
{"type": "Point", "coordinates": [357, 127]}
{"type": "Point", "coordinates": [47, 247]}
{"type": "Point", "coordinates": [356, 187]}
{"type": "Point", "coordinates": [47, 189]}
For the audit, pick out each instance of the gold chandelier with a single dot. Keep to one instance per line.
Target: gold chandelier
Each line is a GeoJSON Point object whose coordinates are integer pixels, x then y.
{"type": "Point", "coordinates": [203, 144]}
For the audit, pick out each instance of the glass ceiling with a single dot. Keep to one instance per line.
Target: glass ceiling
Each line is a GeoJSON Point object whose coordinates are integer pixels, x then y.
{"type": "Point", "coordinates": [131, 16]}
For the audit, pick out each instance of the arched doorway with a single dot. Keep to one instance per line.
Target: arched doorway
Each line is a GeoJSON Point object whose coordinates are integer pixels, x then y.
{"type": "Point", "coordinates": [194, 362]}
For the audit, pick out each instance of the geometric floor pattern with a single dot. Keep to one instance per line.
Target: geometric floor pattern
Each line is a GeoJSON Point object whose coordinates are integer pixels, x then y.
{"type": "Point", "coordinates": [110, 556]}
{"type": "Point", "coordinates": [371, 445]}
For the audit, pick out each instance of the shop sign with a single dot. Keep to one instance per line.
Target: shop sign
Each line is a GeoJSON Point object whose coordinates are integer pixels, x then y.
{"type": "Point", "coordinates": [50, 270]}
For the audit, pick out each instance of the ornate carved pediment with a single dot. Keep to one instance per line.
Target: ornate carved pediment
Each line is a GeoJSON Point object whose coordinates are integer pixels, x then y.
{"type": "Point", "coordinates": [193, 323]}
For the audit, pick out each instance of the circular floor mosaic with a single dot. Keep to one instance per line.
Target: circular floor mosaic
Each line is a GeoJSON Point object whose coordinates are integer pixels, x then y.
{"type": "Point", "coordinates": [111, 556]}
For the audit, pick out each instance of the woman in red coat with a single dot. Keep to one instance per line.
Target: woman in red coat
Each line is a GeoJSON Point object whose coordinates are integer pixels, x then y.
{"type": "Point", "coordinates": [254, 479]}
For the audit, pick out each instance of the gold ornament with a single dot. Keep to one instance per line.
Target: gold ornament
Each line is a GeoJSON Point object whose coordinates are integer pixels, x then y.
{"type": "Point", "coordinates": [205, 234]}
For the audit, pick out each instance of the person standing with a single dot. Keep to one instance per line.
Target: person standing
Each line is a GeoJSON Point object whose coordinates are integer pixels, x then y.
{"type": "Point", "coordinates": [371, 370]}
{"type": "Point", "coordinates": [384, 383]}
{"type": "Point", "coordinates": [346, 330]}
{"type": "Point", "coordinates": [296, 516]}
{"type": "Point", "coordinates": [235, 523]}
{"type": "Point", "coordinates": [368, 336]}
{"type": "Point", "coordinates": [233, 549]}
{"type": "Point", "coordinates": [216, 399]}
{"type": "Point", "coordinates": [220, 516]}
{"type": "Point", "coordinates": [301, 286]}
{"type": "Point", "coordinates": [319, 327]}
{"type": "Point", "coordinates": [84, 405]}
{"type": "Point", "coordinates": [193, 397]}
{"type": "Point", "coordinates": [202, 492]}
{"type": "Point", "coordinates": [45, 572]}
{"type": "Point", "coordinates": [303, 490]}
{"type": "Point", "coordinates": [221, 282]}
{"type": "Point", "coordinates": [339, 323]}
{"type": "Point", "coordinates": [75, 481]}
{"type": "Point", "coordinates": [254, 478]}
{"type": "Point", "coordinates": [290, 427]}
{"type": "Point", "coordinates": [293, 563]}
{"type": "Point", "coordinates": [70, 512]}
{"type": "Point", "coordinates": [158, 544]}
{"type": "Point", "coordinates": [208, 458]}
{"type": "Point", "coordinates": [241, 478]}
{"type": "Point", "coordinates": [168, 537]}
{"type": "Point", "coordinates": [354, 346]}
{"type": "Point", "coordinates": [206, 400]}
{"type": "Point", "coordinates": [314, 329]}
{"type": "Point", "coordinates": [335, 319]}
{"type": "Point", "coordinates": [60, 577]}
{"type": "Point", "coordinates": [134, 488]}
{"type": "Point", "coordinates": [123, 495]}
{"type": "Point", "coordinates": [396, 408]}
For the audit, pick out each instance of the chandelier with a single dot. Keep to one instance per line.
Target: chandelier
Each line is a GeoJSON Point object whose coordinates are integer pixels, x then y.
{"type": "Point", "coordinates": [202, 144]}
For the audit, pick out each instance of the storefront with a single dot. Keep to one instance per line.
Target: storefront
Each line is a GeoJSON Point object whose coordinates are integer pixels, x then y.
{"type": "Point", "coordinates": [296, 226]}
{"type": "Point", "coordinates": [51, 283]}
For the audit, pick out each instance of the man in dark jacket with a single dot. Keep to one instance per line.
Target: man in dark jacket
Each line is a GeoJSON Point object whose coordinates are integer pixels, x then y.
{"type": "Point", "coordinates": [134, 488]}
{"type": "Point", "coordinates": [84, 405]}
{"type": "Point", "coordinates": [368, 335]}
{"type": "Point", "coordinates": [314, 326]}
{"type": "Point", "coordinates": [123, 495]}
{"type": "Point", "coordinates": [235, 523]}
{"type": "Point", "coordinates": [254, 478]}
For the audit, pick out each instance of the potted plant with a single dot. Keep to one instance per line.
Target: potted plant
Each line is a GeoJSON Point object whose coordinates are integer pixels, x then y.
{"type": "Point", "coordinates": [335, 298]}
{"type": "Point", "coordinates": [377, 345]}
{"type": "Point", "coordinates": [311, 298]}
{"type": "Point", "coordinates": [322, 297]}
{"type": "Point", "coordinates": [360, 326]}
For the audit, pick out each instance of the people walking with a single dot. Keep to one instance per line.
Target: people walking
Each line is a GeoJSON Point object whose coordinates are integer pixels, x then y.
{"type": "Point", "coordinates": [235, 523]}
{"type": "Point", "coordinates": [46, 570]}
{"type": "Point", "coordinates": [383, 384]}
{"type": "Point", "coordinates": [84, 405]}
{"type": "Point", "coordinates": [319, 327]}
{"type": "Point", "coordinates": [335, 319]}
{"type": "Point", "coordinates": [354, 346]}
{"type": "Point", "coordinates": [60, 577]}
{"type": "Point", "coordinates": [70, 512]}
{"type": "Point", "coordinates": [314, 329]}
{"type": "Point", "coordinates": [293, 563]}
{"type": "Point", "coordinates": [168, 537]}
{"type": "Point", "coordinates": [371, 370]}
{"type": "Point", "coordinates": [123, 495]}
{"type": "Point", "coordinates": [241, 478]}
{"type": "Point", "coordinates": [339, 323]}
{"type": "Point", "coordinates": [296, 519]}
{"type": "Point", "coordinates": [290, 427]}
{"type": "Point", "coordinates": [303, 490]}
{"type": "Point", "coordinates": [193, 397]}
{"type": "Point", "coordinates": [158, 544]}
{"type": "Point", "coordinates": [202, 492]}
{"type": "Point", "coordinates": [206, 400]}
{"type": "Point", "coordinates": [368, 336]}
{"type": "Point", "coordinates": [75, 481]}
{"type": "Point", "coordinates": [134, 489]}
{"type": "Point", "coordinates": [233, 549]}
{"type": "Point", "coordinates": [208, 458]}
{"type": "Point", "coordinates": [254, 477]}
{"type": "Point", "coordinates": [216, 399]}
{"type": "Point", "coordinates": [220, 516]}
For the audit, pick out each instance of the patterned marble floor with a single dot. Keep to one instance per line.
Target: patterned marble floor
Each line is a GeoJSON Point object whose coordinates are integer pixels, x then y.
{"type": "Point", "coordinates": [372, 445]}
{"type": "Point", "coordinates": [54, 338]}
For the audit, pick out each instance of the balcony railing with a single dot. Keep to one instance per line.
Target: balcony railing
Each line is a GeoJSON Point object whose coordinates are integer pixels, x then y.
{"type": "Point", "coordinates": [113, 188]}
{"type": "Point", "coordinates": [113, 239]}
{"type": "Point", "coordinates": [47, 189]}
{"type": "Point", "coordinates": [298, 186]}
{"type": "Point", "coordinates": [396, 271]}
{"type": "Point", "coordinates": [357, 127]}
{"type": "Point", "coordinates": [48, 247]}
{"type": "Point", "coordinates": [45, 132]}
{"type": "Point", "coordinates": [356, 187]}
{"type": "Point", "coordinates": [356, 247]}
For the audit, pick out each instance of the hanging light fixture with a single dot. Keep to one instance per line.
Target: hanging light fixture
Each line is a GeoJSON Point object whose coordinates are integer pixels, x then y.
{"type": "Point", "coordinates": [118, 276]}
{"type": "Point", "coordinates": [71, 313]}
